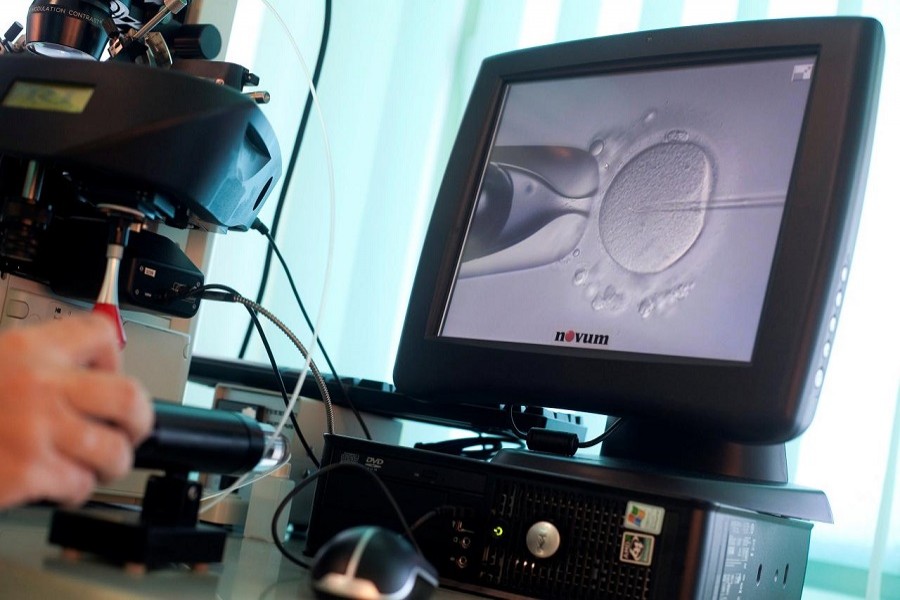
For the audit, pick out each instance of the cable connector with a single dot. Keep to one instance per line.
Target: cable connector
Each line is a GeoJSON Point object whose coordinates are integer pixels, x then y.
{"type": "Point", "coordinates": [260, 227]}
{"type": "Point", "coordinates": [563, 443]}
{"type": "Point", "coordinates": [218, 296]}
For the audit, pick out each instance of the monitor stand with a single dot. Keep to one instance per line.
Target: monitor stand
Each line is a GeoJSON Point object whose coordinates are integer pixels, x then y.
{"type": "Point", "coordinates": [674, 448]}
{"type": "Point", "coordinates": [645, 456]}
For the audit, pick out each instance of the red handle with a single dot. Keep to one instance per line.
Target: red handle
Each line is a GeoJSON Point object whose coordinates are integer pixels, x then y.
{"type": "Point", "coordinates": [112, 311]}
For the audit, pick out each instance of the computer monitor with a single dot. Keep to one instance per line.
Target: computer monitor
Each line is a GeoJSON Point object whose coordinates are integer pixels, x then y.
{"type": "Point", "coordinates": [655, 226]}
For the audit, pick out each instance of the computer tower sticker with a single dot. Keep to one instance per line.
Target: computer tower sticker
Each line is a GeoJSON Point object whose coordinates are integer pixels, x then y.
{"type": "Point", "coordinates": [644, 517]}
{"type": "Point", "coordinates": [637, 549]}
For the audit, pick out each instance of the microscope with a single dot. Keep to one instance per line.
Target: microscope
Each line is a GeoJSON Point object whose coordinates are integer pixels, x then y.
{"type": "Point", "coordinates": [123, 145]}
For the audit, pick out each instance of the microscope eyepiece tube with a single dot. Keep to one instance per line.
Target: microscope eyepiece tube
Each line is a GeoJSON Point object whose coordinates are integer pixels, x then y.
{"type": "Point", "coordinates": [67, 28]}
{"type": "Point", "coordinates": [186, 439]}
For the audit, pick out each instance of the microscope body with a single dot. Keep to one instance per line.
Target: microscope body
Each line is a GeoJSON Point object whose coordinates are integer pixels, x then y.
{"type": "Point", "coordinates": [159, 141]}
{"type": "Point", "coordinates": [114, 176]}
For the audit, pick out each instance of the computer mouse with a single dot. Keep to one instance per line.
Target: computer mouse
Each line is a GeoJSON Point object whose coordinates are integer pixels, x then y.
{"type": "Point", "coordinates": [371, 563]}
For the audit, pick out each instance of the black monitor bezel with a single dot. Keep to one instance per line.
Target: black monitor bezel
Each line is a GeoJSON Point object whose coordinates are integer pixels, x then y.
{"type": "Point", "coordinates": [771, 399]}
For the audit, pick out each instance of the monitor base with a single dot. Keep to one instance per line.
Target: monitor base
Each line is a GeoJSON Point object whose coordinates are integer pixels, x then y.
{"type": "Point", "coordinates": [673, 448]}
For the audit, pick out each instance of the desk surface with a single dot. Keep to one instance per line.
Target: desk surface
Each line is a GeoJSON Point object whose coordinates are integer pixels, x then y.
{"type": "Point", "coordinates": [32, 569]}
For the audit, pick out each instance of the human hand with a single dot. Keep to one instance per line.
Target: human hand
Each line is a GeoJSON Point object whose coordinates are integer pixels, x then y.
{"type": "Point", "coordinates": [68, 418]}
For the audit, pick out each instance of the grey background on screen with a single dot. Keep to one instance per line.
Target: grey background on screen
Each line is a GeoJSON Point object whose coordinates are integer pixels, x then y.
{"type": "Point", "coordinates": [745, 118]}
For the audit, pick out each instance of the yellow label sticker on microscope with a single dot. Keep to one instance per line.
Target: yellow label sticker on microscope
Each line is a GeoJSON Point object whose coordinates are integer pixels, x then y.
{"type": "Point", "coordinates": [53, 97]}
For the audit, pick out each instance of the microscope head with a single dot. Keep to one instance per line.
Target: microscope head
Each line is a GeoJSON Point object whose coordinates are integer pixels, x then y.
{"type": "Point", "coordinates": [156, 133]}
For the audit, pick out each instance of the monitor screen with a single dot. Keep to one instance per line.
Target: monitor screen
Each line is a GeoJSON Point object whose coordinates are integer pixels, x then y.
{"type": "Point", "coordinates": [633, 212]}
{"type": "Point", "coordinates": [656, 225]}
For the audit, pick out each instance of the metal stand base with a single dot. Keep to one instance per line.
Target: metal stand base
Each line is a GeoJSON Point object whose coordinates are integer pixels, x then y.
{"type": "Point", "coordinates": [164, 532]}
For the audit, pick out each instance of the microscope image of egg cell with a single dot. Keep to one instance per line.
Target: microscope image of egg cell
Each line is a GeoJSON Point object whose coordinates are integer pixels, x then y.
{"type": "Point", "coordinates": [654, 209]}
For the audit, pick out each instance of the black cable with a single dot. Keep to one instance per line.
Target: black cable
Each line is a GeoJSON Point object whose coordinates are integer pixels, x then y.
{"type": "Point", "coordinates": [233, 296]}
{"type": "Point", "coordinates": [254, 320]}
{"type": "Point", "coordinates": [603, 436]}
{"type": "Point", "coordinates": [489, 446]}
{"type": "Point", "coordinates": [276, 516]}
{"type": "Point", "coordinates": [259, 226]}
{"type": "Point", "coordinates": [588, 444]}
{"type": "Point", "coordinates": [512, 422]}
{"type": "Point", "coordinates": [445, 509]}
{"type": "Point", "coordinates": [281, 387]}
{"type": "Point", "coordinates": [291, 166]}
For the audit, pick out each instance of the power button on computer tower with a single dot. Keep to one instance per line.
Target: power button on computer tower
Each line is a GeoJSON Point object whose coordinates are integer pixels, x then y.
{"type": "Point", "coordinates": [542, 539]}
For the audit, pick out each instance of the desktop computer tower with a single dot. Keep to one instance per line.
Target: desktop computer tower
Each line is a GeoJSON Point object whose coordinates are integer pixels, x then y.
{"type": "Point", "coordinates": [506, 531]}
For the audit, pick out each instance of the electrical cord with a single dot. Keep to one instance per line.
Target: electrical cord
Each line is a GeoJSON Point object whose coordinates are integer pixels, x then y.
{"type": "Point", "coordinates": [603, 436]}
{"type": "Point", "coordinates": [292, 163]}
{"type": "Point", "coordinates": [276, 516]}
{"type": "Point", "coordinates": [224, 293]}
{"type": "Point", "coordinates": [260, 476]}
{"type": "Point", "coordinates": [477, 447]}
{"type": "Point", "coordinates": [281, 387]}
{"type": "Point", "coordinates": [231, 295]}
{"type": "Point", "coordinates": [260, 227]}
{"type": "Point", "coordinates": [445, 509]}
{"type": "Point", "coordinates": [317, 376]}
{"type": "Point", "coordinates": [332, 212]}
{"type": "Point", "coordinates": [510, 408]}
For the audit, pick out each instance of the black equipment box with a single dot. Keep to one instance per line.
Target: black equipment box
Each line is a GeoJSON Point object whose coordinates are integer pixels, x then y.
{"type": "Point", "coordinates": [510, 531]}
